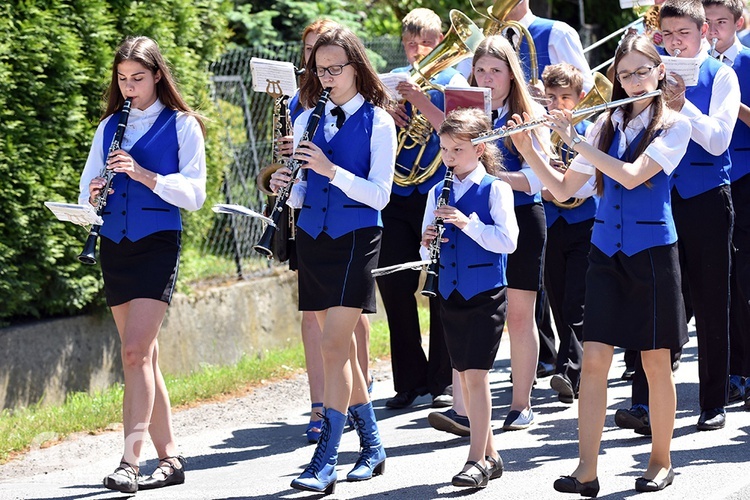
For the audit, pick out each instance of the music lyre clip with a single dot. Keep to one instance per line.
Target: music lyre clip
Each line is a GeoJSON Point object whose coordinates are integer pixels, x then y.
{"type": "Point", "coordinates": [273, 87]}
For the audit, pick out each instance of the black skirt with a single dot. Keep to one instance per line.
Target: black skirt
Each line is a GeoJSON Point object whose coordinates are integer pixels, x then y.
{"type": "Point", "coordinates": [473, 328]}
{"type": "Point", "coordinates": [337, 272]}
{"type": "Point", "coordinates": [635, 302]}
{"type": "Point", "coordinates": [526, 265]}
{"type": "Point", "coordinates": [145, 269]}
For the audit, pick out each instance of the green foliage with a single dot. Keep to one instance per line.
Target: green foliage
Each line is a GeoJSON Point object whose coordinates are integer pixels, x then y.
{"type": "Point", "coordinates": [55, 60]}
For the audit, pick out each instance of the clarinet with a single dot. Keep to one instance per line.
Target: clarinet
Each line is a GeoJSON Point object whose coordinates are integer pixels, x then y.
{"type": "Point", "coordinates": [430, 282]}
{"type": "Point", "coordinates": [89, 249]}
{"type": "Point", "coordinates": [264, 244]}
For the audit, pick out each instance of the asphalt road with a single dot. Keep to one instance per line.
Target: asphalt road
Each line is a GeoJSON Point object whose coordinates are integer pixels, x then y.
{"type": "Point", "coordinates": [252, 447]}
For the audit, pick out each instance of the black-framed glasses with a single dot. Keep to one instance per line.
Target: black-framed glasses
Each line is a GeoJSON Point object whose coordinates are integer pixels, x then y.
{"type": "Point", "coordinates": [334, 70]}
{"type": "Point", "coordinates": [640, 74]}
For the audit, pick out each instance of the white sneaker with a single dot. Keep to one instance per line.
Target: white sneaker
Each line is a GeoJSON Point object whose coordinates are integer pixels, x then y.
{"type": "Point", "coordinates": [517, 420]}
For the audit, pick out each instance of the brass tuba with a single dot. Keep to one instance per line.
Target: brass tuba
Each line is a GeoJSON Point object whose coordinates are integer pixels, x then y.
{"type": "Point", "coordinates": [459, 43]}
{"type": "Point", "coordinates": [599, 94]}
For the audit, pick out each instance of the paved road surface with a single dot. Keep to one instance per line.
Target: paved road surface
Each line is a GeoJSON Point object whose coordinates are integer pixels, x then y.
{"type": "Point", "coordinates": [252, 447]}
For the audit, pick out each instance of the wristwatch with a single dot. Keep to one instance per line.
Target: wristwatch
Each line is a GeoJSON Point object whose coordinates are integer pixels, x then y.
{"type": "Point", "coordinates": [575, 142]}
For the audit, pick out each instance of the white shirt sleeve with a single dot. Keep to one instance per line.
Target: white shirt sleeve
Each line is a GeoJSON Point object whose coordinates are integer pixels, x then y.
{"type": "Point", "coordinates": [427, 218]}
{"type": "Point", "coordinates": [565, 46]}
{"type": "Point", "coordinates": [94, 163]}
{"type": "Point", "coordinates": [502, 235]}
{"type": "Point", "coordinates": [668, 148]}
{"type": "Point", "coordinates": [713, 132]}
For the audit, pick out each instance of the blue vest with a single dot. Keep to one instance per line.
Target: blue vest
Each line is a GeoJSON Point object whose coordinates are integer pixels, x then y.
{"type": "Point", "coordinates": [631, 220]}
{"type": "Point", "coordinates": [476, 270]}
{"type": "Point", "coordinates": [350, 150]}
{"type": "Point", "coordinates": [407, 157]}
{"type": "Point", "coordinates": [739, 148]}
{"type": "Point", "coordinates": [512, 163]}
{"type": "Point", "coordinates": [133, 210]}
{"type": "Point", "coordinates": [540, 31]}
{"type": "Point", "coordinates": [586, 211]}
{"type": "Point", "coordinates": [699, 170]}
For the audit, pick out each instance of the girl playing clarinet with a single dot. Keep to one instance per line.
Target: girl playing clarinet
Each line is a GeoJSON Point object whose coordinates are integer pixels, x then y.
{"type": "Point", "coordinates": [480, 229]}
{"type": "Point", "coordinates": [633, 297]}
{"type": "Point", "coordinates": [347, 179]}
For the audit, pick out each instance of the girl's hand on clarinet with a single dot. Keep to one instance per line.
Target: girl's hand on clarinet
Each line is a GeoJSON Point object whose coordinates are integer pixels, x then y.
{"type": "Point", "coordinates": [280, 178]}
{"type": "Point", "coordinates": [95, 187]}
{"type": "Point", "coordinates": [452, 215]}
{"type": "Point", "coordinates": [121, 162]}
{"type": "Point", "coordinates": [285, 146]}
{"type": "Point", "coordinates": [430, 233]}
{"type": "Point", "coordinates": [315, 159]}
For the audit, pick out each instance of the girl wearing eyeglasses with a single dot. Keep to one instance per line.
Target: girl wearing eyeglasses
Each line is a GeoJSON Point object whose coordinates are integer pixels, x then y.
{"type": "Point", "coordinates": [345, 183]}
{"type": "Point", "coordinates": [633, 298]}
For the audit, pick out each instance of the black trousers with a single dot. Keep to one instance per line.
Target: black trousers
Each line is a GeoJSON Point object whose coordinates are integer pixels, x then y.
{"type": "Point", "coordinates": [565, 265]}
{"type": "Point", "coordinates": [402, 234]}
{"type": "Point", "coordinates": [704, 230]}
{"type": "Point", "coordinates": [739, 325]}
{"type": "Point", "coordinates": [547, 350]}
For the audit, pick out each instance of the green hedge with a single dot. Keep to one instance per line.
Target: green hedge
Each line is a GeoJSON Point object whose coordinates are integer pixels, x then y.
{"type": "Point", "coordinates": [55, 59]}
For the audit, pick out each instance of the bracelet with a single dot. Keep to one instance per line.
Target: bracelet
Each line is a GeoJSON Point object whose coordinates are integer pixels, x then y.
{"type": "Point", "coordinates": [575, 142]}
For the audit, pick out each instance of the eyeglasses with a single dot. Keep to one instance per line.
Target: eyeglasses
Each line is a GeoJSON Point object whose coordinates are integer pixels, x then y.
{"type": "Point", "coordinates": [640, 74]}
{"type": "Point", "coordinates": [334, 70]}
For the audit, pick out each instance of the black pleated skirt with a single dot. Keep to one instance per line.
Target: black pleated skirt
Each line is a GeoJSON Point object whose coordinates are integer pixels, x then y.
{"type": "Point", "coordinates": [337, 272]}
{"type": "Point", "coordinates": [144, 269]}
{"type": "Point", "coordinates": [526, 264]}
{"type": "Point", "coordinates": [635, 302]}
{"type": "Point", "coordinates": [473, 328]}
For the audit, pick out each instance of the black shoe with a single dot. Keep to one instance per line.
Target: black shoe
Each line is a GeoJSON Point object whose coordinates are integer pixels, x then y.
{"type": "Point", "coordinates": [643, 484]}
{"type": "Point", "coordinates": [495, 469]}
{"type": "Point", "coordinates": [166, 474]}
{"type": "Point", "coordinates": [450, 421]}
{"type": "Point", "coordinates": [628, 374]}
{"type": "Point", "coordinates": [125, 478]}
{"type": "Point", "coordinates": [712, 419]}
{"type": "Point", "coordinates": [444, 399]}
{"type": "Point", "coordinates": [635, 418]}
{"type": "Point", "coordinates": [569, 484]}
{"type": "Point", "coordinates": [404, 399]}
{"type": "Point", "coordinates": [468, 479]}
{"type": "Point", "coordinates": [564, 388]}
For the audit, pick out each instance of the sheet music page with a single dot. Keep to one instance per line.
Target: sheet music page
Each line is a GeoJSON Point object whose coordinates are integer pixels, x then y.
{"type": "Point", "coordinates": [630, 4]}
{"type": "Point", "coordinates": [225, 208]}
{"type": "Point", "coordinates": [687, 67]}
{"type": "Point", "coordinates": [83, 215]}
{"type": "Point", "coordinates": [274, 77]}
{"type": "Point", "coordinates": [391, 80]}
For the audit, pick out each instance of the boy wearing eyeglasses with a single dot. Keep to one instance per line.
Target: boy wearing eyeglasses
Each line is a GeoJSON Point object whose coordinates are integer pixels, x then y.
{"type": "Point", "coordinates": [701, 198]}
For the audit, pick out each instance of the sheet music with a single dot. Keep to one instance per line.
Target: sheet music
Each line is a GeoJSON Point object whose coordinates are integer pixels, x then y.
{"type": "Point", "coordinates": [391, 80]}
{"type": "Point", "coordinates": [629, 4]}
{"type": "Point", "coordinates": [83, 215]}
{"type": "Point", "coordinates": [687, 67]}
{"type": "Point", "coordinates": [274, 77]}
{"type": "Point", "coordinates": [223, 208]}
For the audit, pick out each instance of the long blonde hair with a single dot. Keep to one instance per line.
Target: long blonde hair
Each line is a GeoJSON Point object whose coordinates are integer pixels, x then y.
{"type": "Point", "coordinates": [469, 123]}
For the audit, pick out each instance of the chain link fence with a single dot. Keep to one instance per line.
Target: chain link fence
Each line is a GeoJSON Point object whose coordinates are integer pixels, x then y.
{"type": "Point", "coordinates": [247, 120]}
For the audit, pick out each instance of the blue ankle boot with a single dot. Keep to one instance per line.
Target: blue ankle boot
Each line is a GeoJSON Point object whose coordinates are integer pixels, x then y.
{"type": "Point", "coordinates": [320, 475]}
{"type": "Point", "coordinates": [372, 454]}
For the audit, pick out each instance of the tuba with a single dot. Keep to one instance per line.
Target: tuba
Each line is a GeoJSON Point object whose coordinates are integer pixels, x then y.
{"type": "Point", "coordinates": [600, 93]}
{"type": "Point", "coordinates": [459, 43]}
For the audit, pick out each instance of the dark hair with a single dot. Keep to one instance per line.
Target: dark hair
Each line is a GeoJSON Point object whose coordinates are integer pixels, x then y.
{"type": "Point", "coordinates": [692, 9]}
{"type": "Point", "coordinates": [318, 27]}
{"type": "Point", "coordinates": [145, 51]}
{"type": "Point", "coordinates": [469, 123]}
{"type": "Point", "coordinates": [367, 81]}
{"type": "Point", "coordinates": [641, 44]}
{"type": "Point", "coordinates": [563, 75]}
{"type": "Point", "coordinates": [735, 7]}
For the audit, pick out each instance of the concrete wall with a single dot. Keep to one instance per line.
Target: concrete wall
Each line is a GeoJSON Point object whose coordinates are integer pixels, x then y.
{"type": "Point", "coordinates": [46, 360]}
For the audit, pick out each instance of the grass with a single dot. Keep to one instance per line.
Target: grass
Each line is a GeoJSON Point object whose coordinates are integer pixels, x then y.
{"type": "Point", "coordinates": [41, 426]}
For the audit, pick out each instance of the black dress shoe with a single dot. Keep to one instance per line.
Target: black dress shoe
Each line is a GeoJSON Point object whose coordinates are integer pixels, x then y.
{"type": "Point", "coordinates": [569, 484]}
{"type": "Point", "coordinates": [643, 484]}
{"type": "Point", "coordinates": [166, 474]}
{"type": "Point", "coordinates": [635, 418]}
{"type": "Point", "coordinates": [564, 388]}
{"type": "Point", "coordinates": [469, 479]}
{"type": "Point", "coordinates": [712, 419]}
{"type": "Point", "coordinates": [125, 478]}
{"type": "Point", "coordinates": [495, 468]}
{"type": "Point", "coordinates": [404, 399]}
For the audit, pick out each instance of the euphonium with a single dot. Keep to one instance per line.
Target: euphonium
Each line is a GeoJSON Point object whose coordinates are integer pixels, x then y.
{"type": "Point", "coordinates": [88, 255]}
{"type": "Point", "coordinates": [430, 287]}
{"type": "Point", "coordinates": [463, 37]}
{"type": "Point", "coordinates": [264, 244]}
{"type": "Point", "coordinates": [600, 93]}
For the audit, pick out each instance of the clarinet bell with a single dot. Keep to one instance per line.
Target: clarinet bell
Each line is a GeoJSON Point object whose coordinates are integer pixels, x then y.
{"type": "Point", "coordinates": [430, 284]}
{"type": "Point", "coordinates": [264, 244]}
{"type": "Point", "coordinates": [88, 255]}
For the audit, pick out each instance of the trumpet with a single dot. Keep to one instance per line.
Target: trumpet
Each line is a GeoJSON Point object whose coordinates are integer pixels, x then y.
{"type": "Point", "coordinates": [502, 132]}
{"type": "Point", "coordinates": [88, 256]}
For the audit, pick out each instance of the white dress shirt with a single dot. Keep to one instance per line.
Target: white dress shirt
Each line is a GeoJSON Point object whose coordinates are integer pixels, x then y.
{"type": "Point", "coordinates": [184, 189]}
{"type": "Point", "coordinates": [499, 237]}
{"type": "Point", "coordinates": [535, 185]}
{"type": "Point", "coordinates": [730, 55]}
{"type": "Point", "coordinates": [713, 131]}
{"type": "Point", "coordinates": [375, 190]}
{"type": "Point", "coordinates": [667, 149]}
